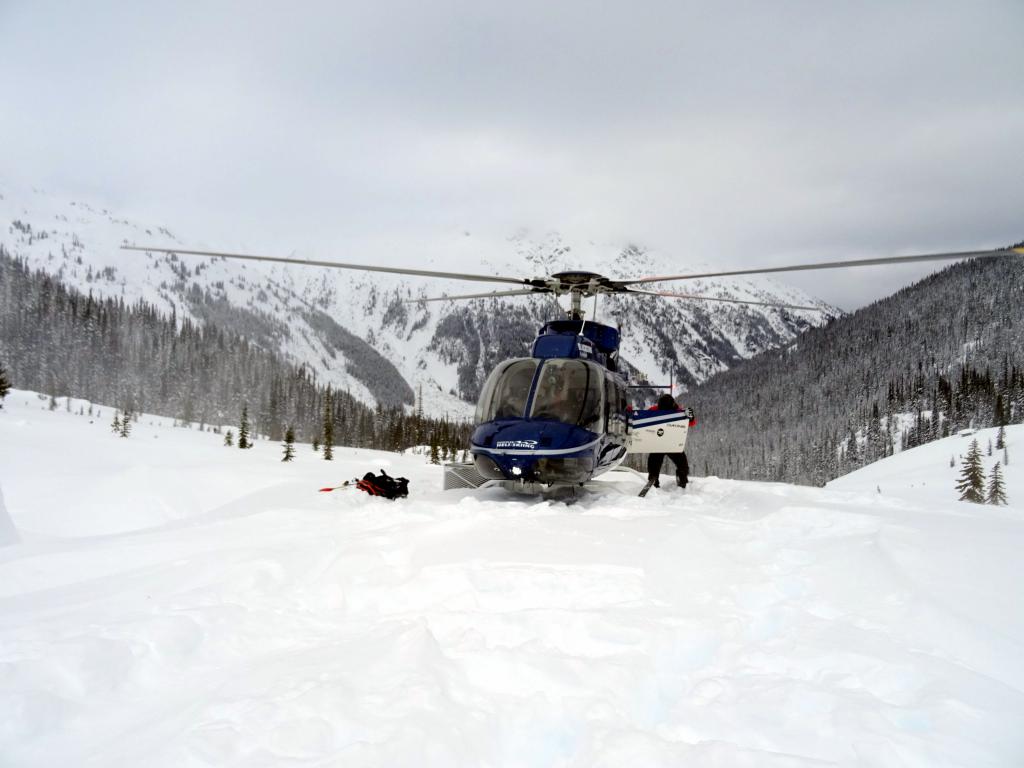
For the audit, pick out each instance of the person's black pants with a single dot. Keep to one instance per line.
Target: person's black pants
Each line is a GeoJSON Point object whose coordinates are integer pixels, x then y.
{"type": "Point", "coordinates": [655, 460]}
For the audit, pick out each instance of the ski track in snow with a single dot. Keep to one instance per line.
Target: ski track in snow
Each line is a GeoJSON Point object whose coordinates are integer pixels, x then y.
{"type": "Point", "coordinates": [176, 603]}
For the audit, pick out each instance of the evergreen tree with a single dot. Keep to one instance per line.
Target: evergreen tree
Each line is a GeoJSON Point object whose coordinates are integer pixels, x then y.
{"type": "Point", "coordinates": [289, 444]}
{"type": "Point", "coordinates": [126, 424]}
{"type": "Point", "coordinates": [53, 403]}
{"type": "Point", "coordinates": [435, 457]}
{"type": "Point", "coordinates": [229, 439]}
{"type": "Point", "coordinates": [999, 411]}
{"type": "Point", "coordinates": [996, 487]}
{"type": "Point", "coordinates": [952, 462]}
{"type": "Point", "coordinates": [328, 427]}
{"type": "Point", "coordinates": [1006, 457]}
{"type": "Point", "coordinates": [115, 425]}
{"type": "Point", "coordinates": [5, 385]}
{"type": "Point", "coordinates": [419, 415]}
{"type": "Point", "coordinates": [316, 442]}
{"type": "Point", "coordinates": [972, 477]}
{"type": "Point", "coordinates": [243, 428]}
{"type": "Point", "coordinates": [990, 446]}
{"type": "Point", "coordinates": [1001, 437]}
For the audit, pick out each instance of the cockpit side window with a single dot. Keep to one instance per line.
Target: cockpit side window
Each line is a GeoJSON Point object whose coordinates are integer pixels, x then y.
{"type": "Point", "coordinates": [572, 392]}
{"type": "Point", "coordinates": [506, 391]}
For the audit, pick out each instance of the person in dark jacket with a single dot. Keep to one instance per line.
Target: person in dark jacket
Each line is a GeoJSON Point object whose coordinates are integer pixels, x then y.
{"type": "Point", "coordinates": [654, 460]}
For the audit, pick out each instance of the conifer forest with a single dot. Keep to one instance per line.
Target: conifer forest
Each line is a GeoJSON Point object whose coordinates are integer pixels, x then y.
{"type": "Point", "coordinates": [55, 339]}
{"type": "Point", "coordinates": [940, 356]}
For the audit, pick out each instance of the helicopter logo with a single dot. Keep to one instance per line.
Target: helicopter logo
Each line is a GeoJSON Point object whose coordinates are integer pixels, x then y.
{"type": "Point", "coordinates": [528, 444]}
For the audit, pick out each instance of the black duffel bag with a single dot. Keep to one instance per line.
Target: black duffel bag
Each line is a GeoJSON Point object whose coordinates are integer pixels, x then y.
{"type": "Point", "coordinates": [384, 485]}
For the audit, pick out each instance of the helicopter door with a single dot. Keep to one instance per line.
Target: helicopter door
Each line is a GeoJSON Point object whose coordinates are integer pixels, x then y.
{"type": "Point", "coordinates": [658, 431]}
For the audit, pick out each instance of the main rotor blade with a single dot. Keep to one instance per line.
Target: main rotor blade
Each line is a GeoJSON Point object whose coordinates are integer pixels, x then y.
{"type": "Point", "coordinates": [729, 301]}
{"type": "Point", "coordinates": [524, 292]}
{"type": "Point", "coordinates": [334, 265]}
{"type": "Point", "coordinates": [834, 265]}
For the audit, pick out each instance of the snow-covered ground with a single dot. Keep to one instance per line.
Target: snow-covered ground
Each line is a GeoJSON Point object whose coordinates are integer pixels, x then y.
{"type": "Point", "coordinates": [924, 474]}
{"type": "Point", "coordinates": [167, 601]}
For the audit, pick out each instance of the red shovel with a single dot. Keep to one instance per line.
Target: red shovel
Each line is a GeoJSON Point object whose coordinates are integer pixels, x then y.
{"type": "Point", "coordinates": [346, 484]}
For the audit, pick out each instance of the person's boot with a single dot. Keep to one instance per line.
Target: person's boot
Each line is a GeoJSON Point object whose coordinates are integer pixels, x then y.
{"type": "Point", "coordinates": [681, 480]}
{"type": "Point", "coordinates": [654, 480]}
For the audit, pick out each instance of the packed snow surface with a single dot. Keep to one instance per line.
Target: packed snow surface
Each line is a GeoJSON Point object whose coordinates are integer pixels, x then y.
{"type": "Point", "coordinates": [167, 601]}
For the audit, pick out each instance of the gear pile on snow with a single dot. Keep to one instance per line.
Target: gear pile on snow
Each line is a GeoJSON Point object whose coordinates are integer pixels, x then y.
{"type": "Point", "coordinates": [384, 485]}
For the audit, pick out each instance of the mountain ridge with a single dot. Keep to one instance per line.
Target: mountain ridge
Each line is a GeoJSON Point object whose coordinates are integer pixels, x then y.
{"type": "Point", "coordinates": [943, 354]}
{"type": "Point", "coordinates": [354, 330]}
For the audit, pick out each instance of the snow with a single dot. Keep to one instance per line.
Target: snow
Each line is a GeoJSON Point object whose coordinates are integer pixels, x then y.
{"type": "Point", "coordinates": [80, 243]}
{"type": "Point", "coordinates": [8, 533]}
{"type": "Point", "coordinates": [172, 602]}
{"type": "Point", "coordinates": [923, 475]}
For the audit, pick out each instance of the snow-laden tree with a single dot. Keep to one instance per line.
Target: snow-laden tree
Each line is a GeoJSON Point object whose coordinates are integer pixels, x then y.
{"type": "Point", "coordinates": [243, 428]}
{"type": "Point", "coordinates": [996, 487]}
{"type": "Point", "coordinates": [289, 445]}
{"type": "Point", "coordinates": [5, 384]}
{"type": "Point", "coordinates": [229, 439]}
{"type": "Point", "coordinates": [972, 476]}
{"type": "Point", "coordinates": [328, 426]}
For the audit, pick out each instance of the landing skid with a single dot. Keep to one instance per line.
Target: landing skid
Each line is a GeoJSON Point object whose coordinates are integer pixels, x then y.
{"type": "Point", "coordinates": [464, 476]}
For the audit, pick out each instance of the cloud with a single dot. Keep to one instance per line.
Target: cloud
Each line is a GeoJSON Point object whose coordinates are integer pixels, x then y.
{"type": "Point", "coordinates": [734, 133]}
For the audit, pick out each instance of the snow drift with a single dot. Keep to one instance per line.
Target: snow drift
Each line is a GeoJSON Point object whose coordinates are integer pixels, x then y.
{"type": "Point", "coordinates": [8, 533]}
{"type": "Point", "coordinates": [177, 603]}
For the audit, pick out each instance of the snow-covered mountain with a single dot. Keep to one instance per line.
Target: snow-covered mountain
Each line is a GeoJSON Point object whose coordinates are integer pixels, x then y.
{"type": "Point", "coordinates": [354, 331]}
{"type": "Point", "coordinates": [167, 601]}
{"type": "Point", "coordinates": [948, 350]}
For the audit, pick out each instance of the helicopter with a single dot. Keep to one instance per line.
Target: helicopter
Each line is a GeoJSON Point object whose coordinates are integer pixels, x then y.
{"type": "Point", "coordinates": [561, 417]}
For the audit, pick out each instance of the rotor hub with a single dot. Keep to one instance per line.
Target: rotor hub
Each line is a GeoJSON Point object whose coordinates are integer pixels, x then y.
{"type": "Point", "coordinates": [577, 283]}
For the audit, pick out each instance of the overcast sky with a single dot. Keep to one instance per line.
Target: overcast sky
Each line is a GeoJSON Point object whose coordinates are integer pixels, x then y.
{"type": "Point", "coordinates": [730, 133]}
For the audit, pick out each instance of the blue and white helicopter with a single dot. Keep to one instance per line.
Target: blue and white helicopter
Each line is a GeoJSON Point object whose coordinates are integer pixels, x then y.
{"type": "Point", "coordinates": [562, 416]}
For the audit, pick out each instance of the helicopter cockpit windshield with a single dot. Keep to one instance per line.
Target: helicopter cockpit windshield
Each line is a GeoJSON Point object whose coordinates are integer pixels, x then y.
{"type": "Point", "coordinates": [567, 391]}
{"type": "Point", "coordinates": [506, 391]}
{"type": "Point", "coordinates": [570, 391]}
